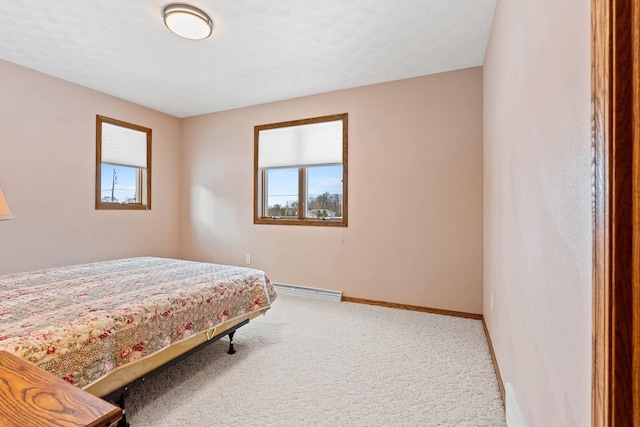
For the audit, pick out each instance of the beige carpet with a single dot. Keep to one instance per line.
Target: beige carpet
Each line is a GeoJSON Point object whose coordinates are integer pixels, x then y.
{"type": "Point", "coordinates": [319, 363]}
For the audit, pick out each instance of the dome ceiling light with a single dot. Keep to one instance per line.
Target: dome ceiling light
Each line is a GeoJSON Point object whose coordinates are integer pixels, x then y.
{"type": "Point", "coordinates": [187, 21]}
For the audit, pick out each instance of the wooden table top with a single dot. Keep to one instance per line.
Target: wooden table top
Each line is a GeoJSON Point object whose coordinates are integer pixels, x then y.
{"type": "Point", "coordinates": [31, 396]}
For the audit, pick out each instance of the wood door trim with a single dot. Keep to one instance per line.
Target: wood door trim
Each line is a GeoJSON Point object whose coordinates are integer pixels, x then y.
{"type": "Point", "coordinates": [615, 129]}
{"type": "Point", "coordinates": [635, 179]}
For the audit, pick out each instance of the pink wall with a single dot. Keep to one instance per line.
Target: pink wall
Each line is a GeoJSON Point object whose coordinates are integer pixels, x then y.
{"type": "Point", "coordinates": [415, 194]}
{"type": "Point", "coordinates": [415, 152]}
{"type": "Point", "coordinates": [47, 171]}
{"type": "Point", "coordinates": [537, 211]}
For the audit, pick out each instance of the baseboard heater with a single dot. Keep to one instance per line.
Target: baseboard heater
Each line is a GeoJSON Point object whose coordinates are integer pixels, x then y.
{"type": "Point", "coordinates": [306, 291]}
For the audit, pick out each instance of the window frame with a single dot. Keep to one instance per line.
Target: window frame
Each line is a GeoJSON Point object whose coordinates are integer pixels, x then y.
{"type": "Point", "coordinates": [99, 204]}
{"type": "Point", "coordinates": [260, 179]}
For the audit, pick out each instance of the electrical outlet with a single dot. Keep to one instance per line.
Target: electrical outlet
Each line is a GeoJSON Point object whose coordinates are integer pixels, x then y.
{"type": "Point", "coordinates": [247, 259]}
{"type": "Point", "coordinates": [492, 302]}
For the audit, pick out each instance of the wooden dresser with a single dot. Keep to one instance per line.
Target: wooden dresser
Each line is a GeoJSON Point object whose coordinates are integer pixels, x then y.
{"type": "Point", "coordinates": [30, 396]}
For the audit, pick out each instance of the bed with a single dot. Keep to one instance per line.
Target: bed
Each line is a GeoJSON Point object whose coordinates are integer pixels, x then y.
{"type": "Point", "coordinates": [106, 326]}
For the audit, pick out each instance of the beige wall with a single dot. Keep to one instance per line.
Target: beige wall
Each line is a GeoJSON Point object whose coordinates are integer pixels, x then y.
{"type": "Point", "coordinates": [47, 171]}
{"type": "Point", "coordinates": [537, 214]}
{"type": "Point", "coordinates": [415, 194]}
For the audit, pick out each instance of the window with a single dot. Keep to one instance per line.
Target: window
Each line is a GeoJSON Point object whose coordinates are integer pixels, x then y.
{"type": "Point", "coordinates": [123, 165]}
{"type": "Point", "coordinates": [301, 172]}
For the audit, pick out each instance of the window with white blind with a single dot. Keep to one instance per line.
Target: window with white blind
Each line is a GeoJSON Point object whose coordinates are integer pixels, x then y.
{"type": "Point", "coordinates": [301, 172]}
{"type": "Point", "coordinates": [123, 165]}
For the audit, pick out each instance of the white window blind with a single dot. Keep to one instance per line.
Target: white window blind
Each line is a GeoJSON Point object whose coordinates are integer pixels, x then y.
{"type": "Point", "coordinates": [303, 145]}
{"type": "Point", "coordinates": [123, 146]}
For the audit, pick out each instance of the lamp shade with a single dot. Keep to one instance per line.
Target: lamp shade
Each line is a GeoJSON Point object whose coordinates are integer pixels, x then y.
{"type": "Point", "coordinates": [5, 210]}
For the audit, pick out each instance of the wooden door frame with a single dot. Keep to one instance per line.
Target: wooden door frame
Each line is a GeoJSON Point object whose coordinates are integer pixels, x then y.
{"type": "Point", "coordinates": [616, 194]}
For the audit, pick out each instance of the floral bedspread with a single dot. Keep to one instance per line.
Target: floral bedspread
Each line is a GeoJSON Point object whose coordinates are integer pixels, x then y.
{"type": "Point", "coordinates": [81, 322]}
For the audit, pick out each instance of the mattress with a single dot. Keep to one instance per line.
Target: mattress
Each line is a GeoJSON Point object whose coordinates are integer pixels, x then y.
{"type": "Point", "coordinates": [118, 319]}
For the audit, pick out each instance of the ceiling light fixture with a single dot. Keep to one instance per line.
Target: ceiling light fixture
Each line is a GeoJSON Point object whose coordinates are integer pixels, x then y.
{"type": "Point", "coordinates": [187, 21]}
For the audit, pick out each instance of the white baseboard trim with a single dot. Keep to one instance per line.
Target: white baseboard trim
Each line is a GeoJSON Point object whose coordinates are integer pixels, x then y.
{"type": "Point", "coordinates": [514, 416]}
{"type": "Point", "coordinates": [309, 292]}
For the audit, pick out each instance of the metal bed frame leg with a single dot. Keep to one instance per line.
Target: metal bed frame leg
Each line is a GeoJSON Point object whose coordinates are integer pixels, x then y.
{"type": "Point", "coordinates": [118, 396]}
{"type": "Point", "coordinates": [231, 349]}
{"type": "Point", "coordinates": [120, 402]}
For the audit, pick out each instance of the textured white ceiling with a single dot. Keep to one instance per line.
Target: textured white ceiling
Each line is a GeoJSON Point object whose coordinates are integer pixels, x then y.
{"type": "Point", "coordinates": [260, 50]}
